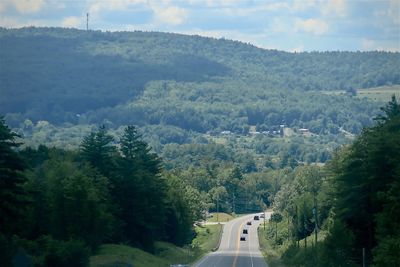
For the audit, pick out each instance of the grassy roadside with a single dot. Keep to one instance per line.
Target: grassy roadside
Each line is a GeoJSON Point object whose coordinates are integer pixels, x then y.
{"type": "Point", "coordinates": [207, 238]}
{"type": "Point", "coordinates": [220, 217]}
{"type": "Point", "coordinates": [286, 253]}
{"type": "Point", "coordinates": [114, 255]}
{"type": "Point", "coordinates": [271, 254]}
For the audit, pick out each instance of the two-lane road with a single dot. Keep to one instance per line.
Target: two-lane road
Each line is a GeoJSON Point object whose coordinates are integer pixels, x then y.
{"type": "Point", "coordinates": [235, 253]}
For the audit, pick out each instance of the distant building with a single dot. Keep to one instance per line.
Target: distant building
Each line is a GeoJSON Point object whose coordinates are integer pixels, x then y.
{"type": "Point", "coordinates": [304, 132]}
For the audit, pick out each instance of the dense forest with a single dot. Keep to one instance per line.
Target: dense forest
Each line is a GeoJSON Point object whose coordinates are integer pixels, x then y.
{"type": "Point", "coordinates": [58, 206]}
{"type": "Point", "coordinates": [58, 85]}
{"type": "Point", "coordinates": [219, 125]}
{"type": "Point", "coordinates": [349, 209]}
{"type": "Point", "coordinates": [66, 75]}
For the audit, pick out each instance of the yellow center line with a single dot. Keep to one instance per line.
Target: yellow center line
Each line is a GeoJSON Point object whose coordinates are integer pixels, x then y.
{"type": "Point", "coordinates": [238, 245]}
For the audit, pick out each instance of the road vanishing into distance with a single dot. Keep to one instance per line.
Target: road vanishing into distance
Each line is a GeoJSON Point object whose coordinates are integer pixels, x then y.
{"type": "Point", "coordinates": [232, 251]}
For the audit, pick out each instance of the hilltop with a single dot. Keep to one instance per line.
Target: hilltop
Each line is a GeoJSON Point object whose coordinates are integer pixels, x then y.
{"type": "Point", "coordinates": [68, 75]}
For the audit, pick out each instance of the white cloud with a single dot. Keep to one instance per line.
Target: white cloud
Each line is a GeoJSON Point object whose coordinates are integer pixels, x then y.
{"type": "Point", "coordinates": [71, 22]}
{"type": "Point", "coordinates": [372, 45]}
{"type": "Point", "coordinates": [2, 6]}
{"type": "Point", "coordinates": [28, 6]}
{"type": "Point", "coordinates": [242, 11]}
{"type": "Point", "coordinates": [213, 3]}
{"type": "Point", "coordinates": [394, 11]}
{"type": "Point", "coordinates": [99, 5]}
{"type": "Point", "coordinates": [314, 26]}
{"type": "Point", "coordinates": [301, 5]}
{"type": "Point", "coordinates": [334, 7]}
{"type": "Point", "coordinates": [170, 15]}
{"type": "Point", "coordinates": [280, 25]}
{"type": "Point", "coordinates": [14, 22]}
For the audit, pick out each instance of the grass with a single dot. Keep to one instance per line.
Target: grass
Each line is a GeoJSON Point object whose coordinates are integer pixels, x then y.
{"type": "Point", "coordinates": [382, 94]}
{"type": "Point", "coordinates": [222, 217]}
{"type": "Point", "coordinates": [207, 237]}
{"type": "Point", "coordinates": [271, 255]}
{"type": "Point", "coordinates": [114, 255]}
{"type": "Point", "coordinates": [275, 255]}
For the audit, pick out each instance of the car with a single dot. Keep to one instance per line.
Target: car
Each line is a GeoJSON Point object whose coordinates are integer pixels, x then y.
{"type": "Point", "coordinates": [248, 223]}
{"type": "Point", "coordinates": [242, 238]}
{"type": "Point", "coordinates": [245, 231]}
{"type": "Point", "coordinates": [256, 217]}
{"type": "Point", "coordinates": [262, 216]}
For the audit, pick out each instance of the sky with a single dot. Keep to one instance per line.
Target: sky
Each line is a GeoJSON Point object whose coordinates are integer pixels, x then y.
{"type": "Point", "coordinates": [289, 25]}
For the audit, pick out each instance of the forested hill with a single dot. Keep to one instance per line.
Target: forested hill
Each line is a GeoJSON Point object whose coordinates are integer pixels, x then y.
{"type": "Point", "coordinates": [61, 74]}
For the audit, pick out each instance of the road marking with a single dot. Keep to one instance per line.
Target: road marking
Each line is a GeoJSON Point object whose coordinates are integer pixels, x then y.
{"type": "Point", "coordinates": [251, 256]}
{"type": "Point", "coordinates": [238, 244]}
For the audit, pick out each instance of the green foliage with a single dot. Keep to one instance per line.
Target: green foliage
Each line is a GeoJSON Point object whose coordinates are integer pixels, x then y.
{"type": "Point", "coordinates": [188, 82]}
{"type": "Point", "coordinates": [365, 183]}
{"type": "Point", "coordinates": [48, 252]}
{"type": "Point", "coordinates": [12, 194]}
{"type": "Point", "coordinates": [97, 149]}
{"type": "Point", "coordinates": [68, 201]}
{"type": "Point", "coordinates": [139, 190]}
{"type": "Point", "coordinates": [77, 200]}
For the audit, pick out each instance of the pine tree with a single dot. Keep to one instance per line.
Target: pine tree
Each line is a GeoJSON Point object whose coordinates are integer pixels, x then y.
{"type": "Point", "coordinates": [139, 189]}
{"type": "Point", "coordinates": [12, 194]}
{"type": "Point", "coordinates": [366, 180]}
{"type": "Point", "coordinates": [97, 148]}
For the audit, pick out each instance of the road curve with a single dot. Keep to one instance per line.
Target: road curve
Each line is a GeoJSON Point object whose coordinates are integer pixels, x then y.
{"type": "Point", "coordinates": [235, 253]}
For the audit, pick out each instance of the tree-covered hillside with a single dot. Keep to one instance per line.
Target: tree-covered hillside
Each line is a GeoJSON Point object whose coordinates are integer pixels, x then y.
{"type": "Point", "coordinates": [59, 75]}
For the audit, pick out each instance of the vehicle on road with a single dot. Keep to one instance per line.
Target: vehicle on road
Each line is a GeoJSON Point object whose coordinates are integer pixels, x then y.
{"type": "Point", "coordinates": [242, 238]}
{"type": "Point", "coordinates": [248, 223]}
{"type": "Point", "coordinates": [262, 216]}
{"type": "Point", "coordinates": [245, 231]}
{"type": "Point", "coordinates": [256, 217]}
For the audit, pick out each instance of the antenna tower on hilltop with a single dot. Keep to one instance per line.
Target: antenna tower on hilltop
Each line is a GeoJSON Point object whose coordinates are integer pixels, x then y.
{"type": "Point", "coordinates": [87, 21]}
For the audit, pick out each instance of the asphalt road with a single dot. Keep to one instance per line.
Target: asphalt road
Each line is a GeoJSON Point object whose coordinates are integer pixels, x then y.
{"type": "Point", "coordinates": [235, 253]}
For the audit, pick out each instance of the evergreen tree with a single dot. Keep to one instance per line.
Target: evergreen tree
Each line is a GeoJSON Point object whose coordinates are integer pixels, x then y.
{"type": "Point", "coordinates": [97, 148]}
{"type": "Point", "coordinates": [367, 180]}
{"type": "Point", "coordinates": [12, 194]}
{"type": "Point", "coordinates": [139, 190]}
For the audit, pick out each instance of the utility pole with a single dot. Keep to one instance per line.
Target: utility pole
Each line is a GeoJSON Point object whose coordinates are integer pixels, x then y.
{"type": "Point", "coordinates": [363, 257]}
{"type": "Point", "coordinates": [217, 209]}
{"type": "Point", "coordinates": [233, 202]}
{"type": "Point", "coordinates": [87, 21]}
{"type": "Point", "coordinates": [264, 217]}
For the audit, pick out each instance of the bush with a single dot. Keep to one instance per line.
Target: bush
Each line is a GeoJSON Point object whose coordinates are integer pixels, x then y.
{"type": "Point", "coordinates": [66, 254]}
{"type": "Point", "coordinates": [49, 252]}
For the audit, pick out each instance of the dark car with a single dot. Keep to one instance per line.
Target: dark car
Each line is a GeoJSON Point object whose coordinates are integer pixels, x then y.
{"type": "Point", "coordinates": [256, 217]}
{"type": "Point", "coordinates": [248, 223]}
{"type": "Point", "coordinates": [245, 231]}
{"type": "Point", "coordinates": [242, 238]}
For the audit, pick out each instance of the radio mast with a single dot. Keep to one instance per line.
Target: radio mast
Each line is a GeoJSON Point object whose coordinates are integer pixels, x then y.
{"type": "Point", "coordinates": [87, 21]}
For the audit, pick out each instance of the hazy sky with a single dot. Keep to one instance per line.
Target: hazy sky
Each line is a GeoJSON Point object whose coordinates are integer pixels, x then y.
{"type": "Point", "coordinates": [296, 25]}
